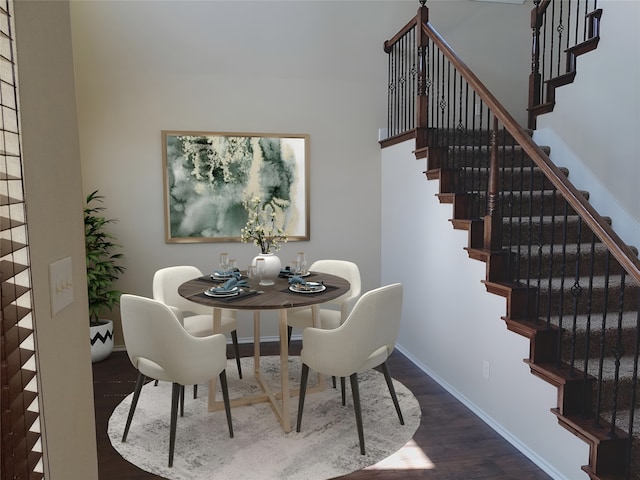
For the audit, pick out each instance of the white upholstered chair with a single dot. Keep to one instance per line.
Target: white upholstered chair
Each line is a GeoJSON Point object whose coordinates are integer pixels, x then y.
{"type": "Point", "coordinates": [160, 348]}
{"type": "Point", "coordinates": [197, 318]}
{"type": "Point", "coordinates": [334, 312]}
{"type": "Point", "coordinates": [365, 340]}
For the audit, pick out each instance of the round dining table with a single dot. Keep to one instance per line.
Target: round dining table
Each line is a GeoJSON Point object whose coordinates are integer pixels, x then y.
{"type": "Point", "coordinates": [257, 298]}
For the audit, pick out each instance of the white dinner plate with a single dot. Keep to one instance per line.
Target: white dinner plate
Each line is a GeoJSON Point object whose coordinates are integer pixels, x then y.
{"type": "Point", "coordinates": [310, 287]}
{"type": "Point", "coordinates": [212, 293]}
{"type": "Point", "coordinates": [219, 276]}
{"type": "Point", "coordinates": [306, 274]}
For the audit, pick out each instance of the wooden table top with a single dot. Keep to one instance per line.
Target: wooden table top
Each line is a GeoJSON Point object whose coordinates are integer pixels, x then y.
{"type": "Point", "coordinates": [274, 297]}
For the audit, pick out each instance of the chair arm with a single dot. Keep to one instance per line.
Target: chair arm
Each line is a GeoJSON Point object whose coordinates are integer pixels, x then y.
{"type": "Point", "coordinates": [329, 352]}
{"type": "Point", "coordinates": [202, 358]}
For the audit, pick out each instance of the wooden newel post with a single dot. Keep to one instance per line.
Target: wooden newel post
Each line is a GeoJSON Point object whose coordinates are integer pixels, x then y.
{"type": "Point", "coordinates": [493, 219]}
{"type": "Point", "coordinates": [422, 99]}
{"type": "Point", "coordinates": [534, 76]}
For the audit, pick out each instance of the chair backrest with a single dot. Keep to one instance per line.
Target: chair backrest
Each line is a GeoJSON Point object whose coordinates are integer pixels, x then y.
{"type": "Point", "coordinates": [344, 269]}
{"type": "Point", "coordinates": [369, 334]}
{"type": "Point", "coordinates": [156, 342]}
{"type": "Point", "coordinates": [165, 288]}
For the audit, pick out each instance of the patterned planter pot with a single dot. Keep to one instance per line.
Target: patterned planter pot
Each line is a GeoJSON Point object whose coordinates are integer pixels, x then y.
{"type": "Point", "coordinates": [101, 336]}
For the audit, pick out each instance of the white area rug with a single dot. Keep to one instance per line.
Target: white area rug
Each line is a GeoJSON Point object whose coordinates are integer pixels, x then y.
{"type": "Point", "coordinates": [326, 447]}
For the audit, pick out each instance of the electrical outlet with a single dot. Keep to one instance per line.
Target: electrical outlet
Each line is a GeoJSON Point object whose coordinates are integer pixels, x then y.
{"type": "Point", "coordinates": [60, 284]}
{"type": "Point", "coordinates": [485, 369]}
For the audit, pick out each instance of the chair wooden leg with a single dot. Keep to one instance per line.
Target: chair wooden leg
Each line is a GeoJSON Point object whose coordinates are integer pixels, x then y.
{"type": "Point", "coordinates": [344, 390]}
{"type": "Point", "coordinates": [236, 349]}
{"type": "Point", "coordinates": [392, 391]}
{"type": "Point", "coordinates": [289, 332]}
{"type": "Point", "coordinates": [356, 405]}
{"type": "Point", "coordinates": [134, 402]}
{"type": "Point", "coordinates": [333, 380]}
{"type": "Point", "coordinates": [225, 398]}
{"type": "Point", "coordinates": [195, 392]}
{"type": "Point", "coordinates": [175, 398]}
{"type": "Point", "coordinates": [301, 395]}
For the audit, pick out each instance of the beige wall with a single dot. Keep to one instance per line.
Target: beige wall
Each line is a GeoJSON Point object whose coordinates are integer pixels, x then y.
{"type": "Point", "coordinates": [54, 207]}
{"type": "Point", "coordinates": [140, 67]}
{"type": "Point", "coordinates": [313, 67]}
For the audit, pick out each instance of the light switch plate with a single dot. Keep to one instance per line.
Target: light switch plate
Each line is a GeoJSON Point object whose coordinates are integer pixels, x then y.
{"type": "Point", "coordinates": [60, 284]}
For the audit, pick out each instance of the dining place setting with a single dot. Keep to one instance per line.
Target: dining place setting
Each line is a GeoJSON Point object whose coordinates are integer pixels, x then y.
{"type": "Point", "coordinates": [230, 283]}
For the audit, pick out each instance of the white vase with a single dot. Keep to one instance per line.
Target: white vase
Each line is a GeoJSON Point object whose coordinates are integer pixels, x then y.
{"type": "Point", "coordinates": [272, 267]}
{"type": "Point", "coordinates": [101, 336]}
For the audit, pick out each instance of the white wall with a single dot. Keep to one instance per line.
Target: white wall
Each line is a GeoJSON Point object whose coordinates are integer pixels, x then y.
{"type": "Point", "coordinates": [311, 67]}
{"type": "Point", "coordinates": [594, 127]}
{"type": "Point", "coordinates": [451, 326]}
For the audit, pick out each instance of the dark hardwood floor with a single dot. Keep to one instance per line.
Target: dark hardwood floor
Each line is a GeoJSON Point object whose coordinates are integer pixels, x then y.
{"type": "Point", "coordinates": [458, 444]}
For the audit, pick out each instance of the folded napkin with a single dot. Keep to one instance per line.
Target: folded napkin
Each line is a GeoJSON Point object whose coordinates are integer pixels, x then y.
{"type": "Point", "coordinates": [229, 285]}
{"type": "Point", "coordinates": [234, 274]}
{"type": "Point", "coordinates": [296, 279]}
{"type": "Point", "coordinates": [285, 272]}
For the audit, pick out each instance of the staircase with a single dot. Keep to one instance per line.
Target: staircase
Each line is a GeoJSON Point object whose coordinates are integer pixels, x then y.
{"type": "Point", "coordinates": [571, 286]}
{"type": "Point", "coordinates": [563, 292]}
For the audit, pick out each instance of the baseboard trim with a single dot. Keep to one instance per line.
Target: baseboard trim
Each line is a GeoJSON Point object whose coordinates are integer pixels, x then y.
{"type": "Point", "coordinates": [535, 458]}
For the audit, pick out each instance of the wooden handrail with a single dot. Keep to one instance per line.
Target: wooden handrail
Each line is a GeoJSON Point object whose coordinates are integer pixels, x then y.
{"type": "Point", "coordinates": [408, 27]}
{"type": "Point", "coordinates": [619, 250]}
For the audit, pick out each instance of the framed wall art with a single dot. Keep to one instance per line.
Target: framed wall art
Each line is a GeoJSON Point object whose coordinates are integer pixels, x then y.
{"type": "Point", "coordinates": [209, 176]}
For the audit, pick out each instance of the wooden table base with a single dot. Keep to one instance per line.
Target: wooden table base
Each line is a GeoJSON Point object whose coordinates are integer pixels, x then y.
{"type": "Point", "coordinates": [278, 400]}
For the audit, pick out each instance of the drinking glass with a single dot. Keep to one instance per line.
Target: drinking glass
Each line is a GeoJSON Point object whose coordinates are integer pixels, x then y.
{"type": "Point", "coordinates": [252, 272]}
{"type": "Point", "coordinates": [224, 263]}
{"type": "Point", "coordinates": [302, 263]}
{"type": "Point", "coordinates": [294, 267]}
{"type": "Point", "coordinates": [233, 265]}
{"type": "Point", "coordinates": [260, 269]}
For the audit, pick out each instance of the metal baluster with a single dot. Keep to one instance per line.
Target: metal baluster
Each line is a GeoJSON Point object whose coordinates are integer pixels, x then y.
{"type": "Point", "coordinates": [603, 334]}
{"type": "Point", "coordinates": [618, 353]}
{"type": "Point", "coordinates": [520, 218]}
{"type": "Point", "coordinates": [634, 385]}
{"type": "Point", "coordinates": [464, 135]}
{"type": "Point", "coordinates": [587, 356]}
{"type": "Point", "coordinates": [414, 73]}
{"type": "Point", "coordinates": [551, 252]}
{"type": "Point", "coordinates": [544, 58]}
{"type": "Point", "coordinates": [403, 84]}
{"type": "Point", "coordinates": [390, 131]}
{"type": "Point", "coordinates": [540, 239]}
{"type": "Point", "coordinates": [576, 291]}
{"type": "Point", "coordinates": [562, 280]}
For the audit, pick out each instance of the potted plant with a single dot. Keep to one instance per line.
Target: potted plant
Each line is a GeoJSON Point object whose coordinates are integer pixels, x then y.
{"type": "Point", "coordinates": [103, 269]}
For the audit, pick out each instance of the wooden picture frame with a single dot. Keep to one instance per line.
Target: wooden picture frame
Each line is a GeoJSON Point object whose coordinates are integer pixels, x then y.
{"type": "Point", "coordinates": [208, 175]}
